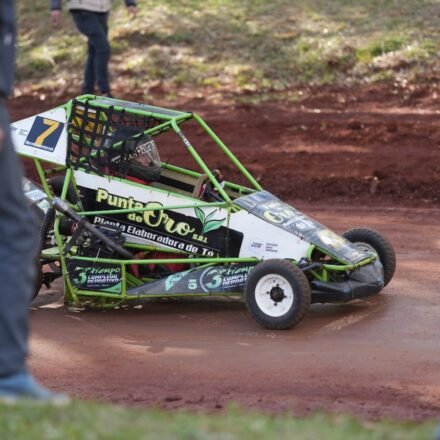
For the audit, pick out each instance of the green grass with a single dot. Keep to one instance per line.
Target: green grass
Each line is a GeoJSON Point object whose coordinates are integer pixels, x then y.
{"type": "Point", "coordinates": [89, 421]}
{"type": "Point", "coordinates": [242, 46]}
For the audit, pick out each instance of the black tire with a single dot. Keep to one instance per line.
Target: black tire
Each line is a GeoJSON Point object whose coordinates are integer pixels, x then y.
{"type": "Point", "coordinates": [294, 289]}
{"type": "Point", "coordinates": [44, 227]}
{"type": "Point", "coordinates": [380, 244]}
{"type": "Point", "coordinates": [57, 184]}
{"type": "Point", "coordinates": [38, 279]}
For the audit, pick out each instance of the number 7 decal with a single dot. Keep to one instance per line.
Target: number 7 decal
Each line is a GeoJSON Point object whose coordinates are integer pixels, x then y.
{"type": "Point", "coordinates": [44, 134]}
{"type": "Point", "coordinates": [52, 126]}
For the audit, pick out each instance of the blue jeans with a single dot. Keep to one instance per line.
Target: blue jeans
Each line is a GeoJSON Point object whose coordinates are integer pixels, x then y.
{"type": "Point", "coordinates": [94, 25]}
{"type": "Point", "coordinates": [18, 248]}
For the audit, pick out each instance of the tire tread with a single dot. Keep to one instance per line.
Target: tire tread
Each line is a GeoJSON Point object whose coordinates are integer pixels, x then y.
{"type": "Point", "coordinates": [382, 245]}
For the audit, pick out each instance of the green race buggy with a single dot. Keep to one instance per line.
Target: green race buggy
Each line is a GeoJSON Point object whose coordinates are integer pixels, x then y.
{"type": "Point", "coordinates": [118, 224]}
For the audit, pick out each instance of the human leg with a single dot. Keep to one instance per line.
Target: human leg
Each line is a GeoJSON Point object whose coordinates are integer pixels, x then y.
{"type": "Point", "coordinates": [94, 26]}
{"type": "Point", "coordinates": [18, 251]}
{"type": "Point", "coordinates": [18, 244]}
{"type": "Point", "coordinates": [103, 50]}
{"type": "Point", "coordinates": [89, 71]}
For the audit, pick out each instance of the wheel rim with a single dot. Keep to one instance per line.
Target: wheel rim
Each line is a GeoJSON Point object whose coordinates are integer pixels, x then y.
{"type": "Point", "coordinates": [274, 295]}
{"type": "Point", "coordinates": [366, 247]}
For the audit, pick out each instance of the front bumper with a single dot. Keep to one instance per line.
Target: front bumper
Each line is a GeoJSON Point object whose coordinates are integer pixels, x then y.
{"type": "Point", "coordinates": [365, 281]}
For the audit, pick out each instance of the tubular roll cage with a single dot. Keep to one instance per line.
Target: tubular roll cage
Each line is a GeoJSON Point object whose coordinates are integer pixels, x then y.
{"type": "Point", "coordinates": [169, 119]}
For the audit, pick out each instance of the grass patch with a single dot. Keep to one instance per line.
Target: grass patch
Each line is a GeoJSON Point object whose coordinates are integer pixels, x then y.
{"type": "Point", "coordinates": [90, 421]}
{"type": "Point", "coordinates": [251, 45]}
{"type": "Point", "coordinates": [381, 47]}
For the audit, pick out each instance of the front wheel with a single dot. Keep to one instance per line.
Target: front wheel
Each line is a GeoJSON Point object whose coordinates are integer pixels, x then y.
{"type": "Point", "coordinates": [373, 240]}
{"type": "Point", "coordinates": [277, 294]}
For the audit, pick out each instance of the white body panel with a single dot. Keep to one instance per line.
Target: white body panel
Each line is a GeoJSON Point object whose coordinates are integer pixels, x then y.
{"type": "Point", "coordinates": [43, 136]}
{"type": "Point", "coordinates": [260, 238]}
{"type": "Point", "coordinates": [263, 240]}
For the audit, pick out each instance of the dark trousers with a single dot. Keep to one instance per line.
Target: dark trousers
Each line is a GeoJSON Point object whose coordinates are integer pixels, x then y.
{"type": "Point", "coordinates": [18, 244]}
{"type": "Point", "coordinates": [94, 26]}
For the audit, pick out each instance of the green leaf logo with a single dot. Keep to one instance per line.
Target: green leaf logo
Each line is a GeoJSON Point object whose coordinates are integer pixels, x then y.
{"type": "Point", "coordinates": [212, 225]}
{"type": "Point", "coordinates": [209, 216]}
{"type": "Point", "coordinates": [200, 215]}
{"type": "Point", "coordinates": [207, 223]}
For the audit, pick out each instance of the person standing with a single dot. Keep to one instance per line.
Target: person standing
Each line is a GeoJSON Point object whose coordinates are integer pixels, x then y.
{"type": "Point", "coordinates": [18, 243]}
{"type": "Point", "coordinates": [91, 19]}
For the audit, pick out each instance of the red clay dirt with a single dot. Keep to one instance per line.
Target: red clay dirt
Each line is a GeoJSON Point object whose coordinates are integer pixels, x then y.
{"type": "Point", "coordinates": [370, 145]}
{"type": "Point", "coordinates": [369, 156]}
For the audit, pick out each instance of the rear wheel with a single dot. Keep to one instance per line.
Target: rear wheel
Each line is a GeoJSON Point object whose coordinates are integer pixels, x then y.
{"type": "Point", "coordinates": [277, 294]}
{"type": "Point", "coordinates": [38, 283]}
{"type": "Point", "coordinates": [57, 183]}
{"type": "Point", "coordinates": [45, 226]}
{"type": "Point", "coordinates": [369, 239]}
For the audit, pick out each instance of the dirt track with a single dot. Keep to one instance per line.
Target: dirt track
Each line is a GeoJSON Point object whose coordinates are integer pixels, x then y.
{"type": "Point", "coordinates": [340, 155]}
{"type": "Point", "coordinates": [373, 358]}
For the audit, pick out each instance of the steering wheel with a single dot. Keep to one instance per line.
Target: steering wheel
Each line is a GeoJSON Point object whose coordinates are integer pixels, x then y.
{"type": "Point", "coordinates": [205, 190]}
{"type": "Point", "coordinates": [198, 187]}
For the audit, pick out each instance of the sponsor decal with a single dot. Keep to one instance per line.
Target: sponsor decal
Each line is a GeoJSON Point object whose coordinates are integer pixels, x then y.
{"type": "Point", "coordinates": [329, 238]}
{"type": "Point", "coordinates": [32, 191]}
{"type": "Point", "coordinates": [139, 151]}
{"type": "Point", "coordinates": [223, 279]}
{"type": "Point", "coordinates": [44, 134]}
{"type": "Point", "coordinates": [219, 279]}
{"type": "Point", "coordinates": [208, 224]}
{"type": "Point", "coordinates": [184, 139]}
{"type": "Point", "coordinates": [259, 247]}
{"type": "Point", "coordinates": [20, 131]}
{"type": "Point", "coordinates": [202, 235]}
{"type": "Point", "coordinates": [268, 207]}
{"type": "Point", "coordinates": [272, 247]}
{"type": "Point", "coordinates": [35, 195]}
{"type": "Point", "coordinates": [174, 279]}
{"type": "Point", "coordinates": [105, 277]}
{"type": "Point", "coordinates": [256, 247]}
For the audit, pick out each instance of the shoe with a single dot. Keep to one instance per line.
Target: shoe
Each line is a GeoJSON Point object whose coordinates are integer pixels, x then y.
{"type": "Point", "coordinates": [437, 433]}
{"type": "Point", "coordinates": [24, 386]}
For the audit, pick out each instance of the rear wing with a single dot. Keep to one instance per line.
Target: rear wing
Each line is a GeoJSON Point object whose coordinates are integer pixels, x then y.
{"type": "Point", "coordinates": [43, 136]}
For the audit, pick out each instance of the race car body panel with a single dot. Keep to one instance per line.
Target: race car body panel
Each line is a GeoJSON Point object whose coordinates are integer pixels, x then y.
{"type": "Point", "coordinates": [35, 195]}
{"type": "Point", "coordinates": [43, 136]}
{"type": "Point", "coordinates": [200, 229]}
{"type": "Point", "coordinates": [180, 229]}
{"type": "Point", "coordinates": [266, 206]}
